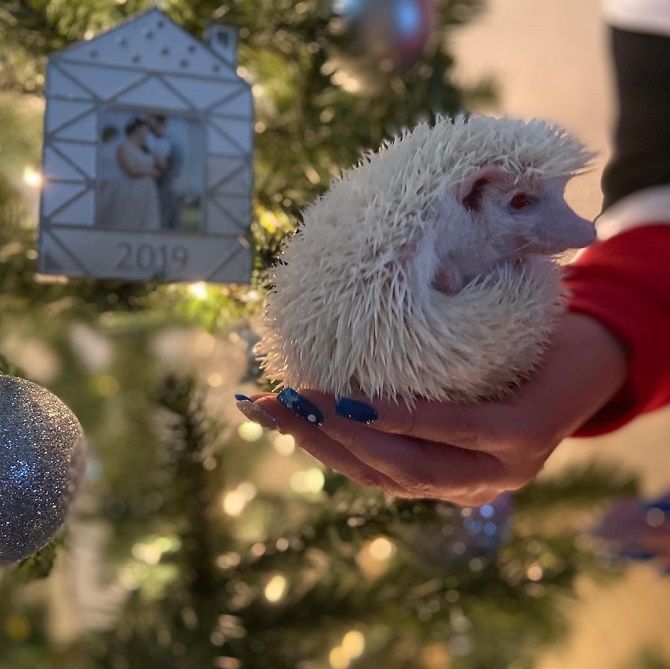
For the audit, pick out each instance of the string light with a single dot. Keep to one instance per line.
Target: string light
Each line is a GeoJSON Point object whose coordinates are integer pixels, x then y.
{"type": "Point", "coordinates": [234, 501]}
{"type": "Point", "coordinates": [353, 643]}
{"type": "Point", "coordinates": [338, 658]}
{"type": "Point", "coordinates": [250, 431]}
{"type": "Point", "coordinates": [534, 572]}
{"type": "Point", "coordinates": [381, 548]}
{"type": "Point", "coordinates": [284, 444]}
{"type": "Point", "coordinates": [275, 588]}
{"type": "Point", "coordinates": [32, 177]}
{"type": "Point", "coordinates": [198, 289]}
{"type": "Point", "coordinates": [308, 481]}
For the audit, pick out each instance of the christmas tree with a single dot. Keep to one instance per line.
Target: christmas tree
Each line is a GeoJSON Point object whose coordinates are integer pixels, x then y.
{"type": "Point", "coordinates": [214, 544]}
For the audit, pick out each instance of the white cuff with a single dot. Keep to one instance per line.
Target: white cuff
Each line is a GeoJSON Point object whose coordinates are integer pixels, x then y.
{"type": "Point", "coordinates": [648, 16]}
{"type": "Point", "coordinates": [650, 205]}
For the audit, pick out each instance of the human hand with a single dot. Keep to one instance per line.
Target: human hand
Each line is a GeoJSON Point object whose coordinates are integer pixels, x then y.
{"type": "Point", "coordinates": [466, 454]}
{"type": "Point", "coordinates": [638, 530]}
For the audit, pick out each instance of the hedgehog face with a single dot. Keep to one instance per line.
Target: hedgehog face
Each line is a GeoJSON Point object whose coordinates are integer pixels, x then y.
{"type": "Point", "coordinates": [502, 217]}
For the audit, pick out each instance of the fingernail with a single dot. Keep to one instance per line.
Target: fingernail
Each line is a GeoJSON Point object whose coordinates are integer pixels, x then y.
{"type": "Point", "coordinates": [240, 398]}
{"type": "Point", "coordinates": [257, 415]}
{"type": "Point", "coordinates": [636, 554]}
{"type": "Point", "coordinates": [355, 410]}
{"type": "Point", "coordinates": [662, 504]}
{"type": "Point", "coordinates": [300, 406]}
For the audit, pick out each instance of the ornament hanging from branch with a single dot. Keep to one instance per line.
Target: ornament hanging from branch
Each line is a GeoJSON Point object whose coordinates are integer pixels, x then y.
{"type": "Point", "coordinates": [397, 32]}
{"type": "Point", "coordinates": [42, 455]}
{"type": "Point", "coordinates": [147, 156]}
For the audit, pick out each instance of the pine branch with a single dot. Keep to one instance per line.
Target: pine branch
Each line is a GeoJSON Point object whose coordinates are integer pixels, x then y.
{"type": "Point", "coordinates": [190, 435]}
{"type": "Point", "coordinates": [580, 485]}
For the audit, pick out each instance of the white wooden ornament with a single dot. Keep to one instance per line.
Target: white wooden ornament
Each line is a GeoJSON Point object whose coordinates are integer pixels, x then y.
{"type": "Point", "coordinates": [146, 66]}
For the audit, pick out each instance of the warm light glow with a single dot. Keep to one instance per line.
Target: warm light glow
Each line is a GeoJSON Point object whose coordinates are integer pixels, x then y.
{"type": "Point", "coordinates": [198, 289]}
{"type": "Point", "coordinates": [248, 489]}
{"type": "Point", "coordinates": [275, 588]}
{"type": "Point", "coordinates": [258, 549]}
{"type": "Point", "coordinates": [228, 560]}
{"type": "Point", "coordinates": [250, 431]}
{"type": "Point", "coordinates": [149, 553]}
{"type": "Point", "coordinates": [234, 503]}
{"type": "Point", "coordinates": [151, 550]}
{"type": "Point", "coordinates": [309, 480]}
{"type": "Point", "coordinates": [347, 82]}
{"type": "Point", "coordinates": [214, 380]}
{"type": "Point", "coordinates": [235, 500]}
{"type": "Point", "coordinates": [353, 643]}
{"type": "Point", "coordinates": [32, 177]}
{"type": "Point", "coordinates": [381, 548]}
{"type": "Point", "coordinates": [284, 443]}
{"type": "Point", "coordinates": [338, 658]}
{"type": "Point", "coordinates": [534, 572]}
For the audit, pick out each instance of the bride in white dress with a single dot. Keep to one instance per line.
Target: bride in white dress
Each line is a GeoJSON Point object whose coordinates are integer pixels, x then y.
{"type": "Point", "coordinates": [129, 199]}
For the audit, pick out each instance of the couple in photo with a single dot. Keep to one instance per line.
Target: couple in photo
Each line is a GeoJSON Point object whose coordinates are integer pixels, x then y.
{"type": "Point", "coordinates": [138, 176]}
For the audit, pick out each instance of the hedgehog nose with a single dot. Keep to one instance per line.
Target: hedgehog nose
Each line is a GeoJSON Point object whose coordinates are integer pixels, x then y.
{"type": "Point", "coordinates": [567, 230]}
{"type": "Point", "coordinates": [581, 232]}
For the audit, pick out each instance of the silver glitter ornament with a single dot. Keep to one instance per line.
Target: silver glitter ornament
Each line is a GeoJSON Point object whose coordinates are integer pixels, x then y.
{"type": "Point", "coordinates": [42, 456]}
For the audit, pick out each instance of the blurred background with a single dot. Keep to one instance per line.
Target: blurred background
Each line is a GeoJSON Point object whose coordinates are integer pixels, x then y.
{"type": "Point", "coordinates": [200, 541]}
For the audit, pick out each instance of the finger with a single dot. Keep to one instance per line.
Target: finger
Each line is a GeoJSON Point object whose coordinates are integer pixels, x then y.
{"type": "Point", "coordinates": [337, 457]}
{"type": "Point", "coordinates": [485, 496]}
{"type": "Point", "coordinates": [328, 451]}
{"type": "Point", "coordinates": [472, 427]}
{"type": "Point", "coordinates": [420, 466]}
{"type": "Point", "coordinates": [257, 396]}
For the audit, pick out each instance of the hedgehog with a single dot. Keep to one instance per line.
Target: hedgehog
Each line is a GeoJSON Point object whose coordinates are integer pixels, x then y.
{"type": "Point", "coordinates": [429, 270]}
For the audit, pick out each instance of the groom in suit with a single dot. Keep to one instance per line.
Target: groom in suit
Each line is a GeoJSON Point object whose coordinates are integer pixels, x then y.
{"type": "Point", "coordinates": [169, 158]}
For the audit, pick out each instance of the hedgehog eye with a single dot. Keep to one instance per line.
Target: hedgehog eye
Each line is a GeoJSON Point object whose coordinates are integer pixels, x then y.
{"type": "Point", "coordinates": [519, 201]}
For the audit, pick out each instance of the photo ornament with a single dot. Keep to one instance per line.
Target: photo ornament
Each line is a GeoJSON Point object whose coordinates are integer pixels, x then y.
{"type": "Point", "coordinates": [147, 157]}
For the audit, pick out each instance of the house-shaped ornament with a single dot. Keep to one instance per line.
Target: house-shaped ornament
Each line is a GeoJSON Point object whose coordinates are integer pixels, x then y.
{"type": "Point", "coordinates": [147, 157]}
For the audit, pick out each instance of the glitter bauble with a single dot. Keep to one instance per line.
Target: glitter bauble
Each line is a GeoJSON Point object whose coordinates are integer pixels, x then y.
{"type": "Point", "coordinates": [42, 455]}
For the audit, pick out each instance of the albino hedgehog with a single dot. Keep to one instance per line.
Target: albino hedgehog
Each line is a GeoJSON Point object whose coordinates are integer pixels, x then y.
{"type": "Point", "coordinates": [426, 271]}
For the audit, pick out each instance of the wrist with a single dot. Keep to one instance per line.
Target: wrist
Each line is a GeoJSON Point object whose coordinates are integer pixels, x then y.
{"type": "Point", "coordinates": [585, 366]}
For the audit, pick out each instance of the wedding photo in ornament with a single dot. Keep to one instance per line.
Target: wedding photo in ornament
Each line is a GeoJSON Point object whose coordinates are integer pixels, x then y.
{"type": "Point", "coordinates": [151, 172]}
{"type": "Point", "coordinates": [147, 156]}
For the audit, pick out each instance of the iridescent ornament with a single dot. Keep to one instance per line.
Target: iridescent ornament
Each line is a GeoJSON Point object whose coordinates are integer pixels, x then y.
{"type": "Point", "coordinates": [471, 535]}
{"type": "Point", "coordinates": [397, 30]}
{"type": "Point", "coordinates": [42, 454]}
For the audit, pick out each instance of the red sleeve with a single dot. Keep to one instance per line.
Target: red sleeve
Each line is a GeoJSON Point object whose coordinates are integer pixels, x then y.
{"type": "Point", "coordinates": [624, 283]}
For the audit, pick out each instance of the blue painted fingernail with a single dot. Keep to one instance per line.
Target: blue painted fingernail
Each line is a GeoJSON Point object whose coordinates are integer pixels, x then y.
{"type": "Point", "coordinates": [300, 406]}
{"type": "Point", "coordinates": [241, 398]}
{"type": "Point", "coordinates": [355, 410]}
{"type": "Point", "coordinates": [662, 504]}
{"type": "Point", "coordinates": [637, 554]}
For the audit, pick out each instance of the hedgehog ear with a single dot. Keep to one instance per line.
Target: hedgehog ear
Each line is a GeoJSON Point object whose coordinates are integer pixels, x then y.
{"type": "Point", "coordinates": [469, 191]}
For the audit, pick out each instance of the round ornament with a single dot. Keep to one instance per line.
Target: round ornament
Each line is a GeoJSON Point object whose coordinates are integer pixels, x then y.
{"type": "Point", "coordinates": [471, 535]}
{"type": "Point", "coordinates": [397, 30]}
{"type": "Point", "coordinates": [42, 454]}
